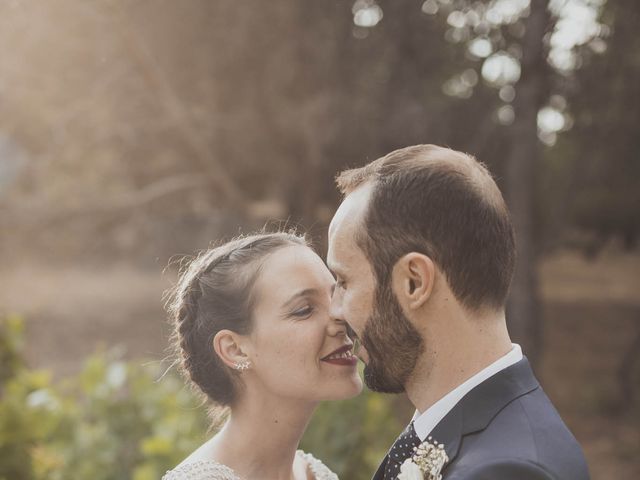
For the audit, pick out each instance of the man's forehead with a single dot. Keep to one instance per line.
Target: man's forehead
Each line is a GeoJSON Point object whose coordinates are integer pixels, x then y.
{"type": "Point", "coordinates": [350, 212]}
{"type": "Point", "coordinates": [344, 228]}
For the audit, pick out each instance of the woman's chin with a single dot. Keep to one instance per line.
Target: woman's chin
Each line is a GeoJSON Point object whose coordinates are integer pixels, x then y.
{"type": "Point", "coordinates": [357, 389]}
{"type": "Point", "coordinates": [347, 391]}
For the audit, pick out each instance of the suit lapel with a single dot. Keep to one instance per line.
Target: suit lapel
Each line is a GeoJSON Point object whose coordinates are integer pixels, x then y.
{"type": "Point", "coordinates": [476, 409]}
{"type": "Point", "coordinates": [449, 432]}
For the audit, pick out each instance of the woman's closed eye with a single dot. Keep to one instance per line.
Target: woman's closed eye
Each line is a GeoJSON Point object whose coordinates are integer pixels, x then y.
{"type": "Point", "coordinates": [303, 312]}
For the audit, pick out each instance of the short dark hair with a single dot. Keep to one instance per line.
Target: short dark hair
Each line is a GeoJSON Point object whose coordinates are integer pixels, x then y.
{"type": "Point", "coordinates": [215, 292]}
{"type": "Point", "coordinates": [446, 205]}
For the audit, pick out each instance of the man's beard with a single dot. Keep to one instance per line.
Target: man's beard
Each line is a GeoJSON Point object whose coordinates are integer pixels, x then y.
{"type": "Point", "coordinates": [392, 343]}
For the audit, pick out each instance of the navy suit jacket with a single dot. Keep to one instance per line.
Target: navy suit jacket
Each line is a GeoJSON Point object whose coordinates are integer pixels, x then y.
{"type": "Point", "coordinates": [507, 429]}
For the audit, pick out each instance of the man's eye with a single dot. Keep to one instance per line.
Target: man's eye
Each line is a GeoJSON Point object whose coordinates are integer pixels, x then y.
{"type": "Point", "coordinates": [341, 283]}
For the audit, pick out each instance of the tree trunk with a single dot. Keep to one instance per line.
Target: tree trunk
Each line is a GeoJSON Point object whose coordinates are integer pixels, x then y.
{"type": "Point", "coordinates": [523, 309]}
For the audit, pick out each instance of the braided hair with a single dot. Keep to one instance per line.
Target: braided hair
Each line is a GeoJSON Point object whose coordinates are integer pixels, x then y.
{"type": "Point", "coordinates": [215, 292]}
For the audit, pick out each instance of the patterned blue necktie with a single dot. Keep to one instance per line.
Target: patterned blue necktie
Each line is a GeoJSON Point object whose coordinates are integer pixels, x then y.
{"type": "Point", "coordinates": [400, 451]}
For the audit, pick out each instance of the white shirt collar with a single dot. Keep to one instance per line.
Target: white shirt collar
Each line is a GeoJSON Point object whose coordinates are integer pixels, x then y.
{"type": "Point", "coordinates": [424, 423]}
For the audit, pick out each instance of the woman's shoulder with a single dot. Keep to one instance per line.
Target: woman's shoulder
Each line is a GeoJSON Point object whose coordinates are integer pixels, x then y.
{"type": "Point", "coordinates": [201, 470]}
{"type": "Point", "coordinates": [211, 470]}
{"type": "Point", "coordinates": [319, 470]}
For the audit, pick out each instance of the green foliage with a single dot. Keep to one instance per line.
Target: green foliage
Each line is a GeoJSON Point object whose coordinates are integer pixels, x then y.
{"type": "Point", "coordinates": [11, 334]}
{"type": "Point", "coordinates": [26, 417]}
{"type": "Point", "coordinates": [115, 420]}
{"type": "Point", "coordinates": [127, 425]}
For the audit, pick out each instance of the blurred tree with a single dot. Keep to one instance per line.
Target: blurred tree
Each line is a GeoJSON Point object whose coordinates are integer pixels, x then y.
{"type": "Point", "coordinates": [530, 96]}
{"type": "Point", "coordinates": [603, 148]}
{"type": "Point", "coordinates": [156, 127]}
{"type": "Point", "coordinates": [604, 100]}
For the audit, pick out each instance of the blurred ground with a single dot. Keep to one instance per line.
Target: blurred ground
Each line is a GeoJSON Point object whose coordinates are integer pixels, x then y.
{"type": "Point", "coordinates": [596, 307]}
{"type": "Point", "coordinates": [592, 304]}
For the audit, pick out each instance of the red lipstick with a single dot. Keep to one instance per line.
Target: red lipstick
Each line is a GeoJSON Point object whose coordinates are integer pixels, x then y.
{"type": "Point", "coordinates": [342, 356]}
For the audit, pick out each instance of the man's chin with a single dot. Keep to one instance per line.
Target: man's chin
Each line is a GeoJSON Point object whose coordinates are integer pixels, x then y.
{"type": "Point", "coordinates": [377, 383]}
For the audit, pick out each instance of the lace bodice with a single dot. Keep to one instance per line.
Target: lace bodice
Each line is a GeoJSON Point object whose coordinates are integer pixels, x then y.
{"type": "Point", "coordinates": [210, 470]}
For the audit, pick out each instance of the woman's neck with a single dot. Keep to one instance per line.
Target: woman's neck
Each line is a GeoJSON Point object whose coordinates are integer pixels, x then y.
{"type": "Point", "coordinates": [260, 438]}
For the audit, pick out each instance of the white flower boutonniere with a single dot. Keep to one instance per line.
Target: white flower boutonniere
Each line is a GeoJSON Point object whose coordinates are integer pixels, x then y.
{"type": "Point", "coordinates": [426, 463]}
{"type": "Point", "coordinates": [410, 471]}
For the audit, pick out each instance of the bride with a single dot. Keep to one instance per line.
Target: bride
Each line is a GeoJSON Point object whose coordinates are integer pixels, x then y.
{"type": "Point", "coordinates": [254, 334]}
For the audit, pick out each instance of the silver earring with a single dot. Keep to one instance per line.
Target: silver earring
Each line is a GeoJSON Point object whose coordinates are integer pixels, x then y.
{"type": "Point", "coordinates": [243, 365]}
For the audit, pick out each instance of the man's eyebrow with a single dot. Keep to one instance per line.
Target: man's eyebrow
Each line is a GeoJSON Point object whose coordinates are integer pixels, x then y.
{"type": "Point", "coordinates": [307, 292]}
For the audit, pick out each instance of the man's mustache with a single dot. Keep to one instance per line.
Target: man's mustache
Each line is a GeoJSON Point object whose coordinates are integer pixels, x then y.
{"type": "Point", "coordinates": [356, 339]}
{"type": "Point", "coordinates": [351, 333]}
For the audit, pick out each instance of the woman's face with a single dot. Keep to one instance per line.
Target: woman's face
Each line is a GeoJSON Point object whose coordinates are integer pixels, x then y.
{"type": "Point", "coordinates": [296, 349]}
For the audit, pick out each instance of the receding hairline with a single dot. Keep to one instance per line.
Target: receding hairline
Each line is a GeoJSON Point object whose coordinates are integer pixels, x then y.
{"type": "Point", "coordinates": [418, 157]}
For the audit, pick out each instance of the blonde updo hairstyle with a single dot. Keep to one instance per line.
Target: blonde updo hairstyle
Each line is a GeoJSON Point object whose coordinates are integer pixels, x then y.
{"type": "Point", "coordinates": [215, 292]}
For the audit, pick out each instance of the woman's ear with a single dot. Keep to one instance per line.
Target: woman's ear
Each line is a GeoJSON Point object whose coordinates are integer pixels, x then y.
{"type": "Point", "coordinates": [412, 279]}
{"type": "Point", "coordinates": [227, 345]}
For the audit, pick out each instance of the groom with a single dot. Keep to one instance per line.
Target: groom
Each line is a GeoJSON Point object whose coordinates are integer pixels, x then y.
{"type": "Point", "coordinates": [423, 252]}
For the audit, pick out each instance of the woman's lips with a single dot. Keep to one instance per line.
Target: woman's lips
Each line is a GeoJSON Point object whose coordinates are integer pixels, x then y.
{"type": "Point", "coordinates": [342, 356]}
{"type": "Point", "coordinates": [347, 362]}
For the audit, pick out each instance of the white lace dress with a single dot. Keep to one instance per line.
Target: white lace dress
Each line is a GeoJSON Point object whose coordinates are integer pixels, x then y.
{"type": "Point", "coordinates": [210, 470]}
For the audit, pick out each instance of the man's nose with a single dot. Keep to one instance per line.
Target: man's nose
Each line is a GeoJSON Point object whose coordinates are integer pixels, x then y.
{"type": "Point", "coordinates": [335, 308]}
{"type": "Point", "coordinates": [338, 327]}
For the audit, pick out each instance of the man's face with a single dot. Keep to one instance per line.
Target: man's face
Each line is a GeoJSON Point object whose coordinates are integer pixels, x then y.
{"type": "Point", "coordinates": [391, 345]}
{"type": "Point", "coordinates": [352, 299]}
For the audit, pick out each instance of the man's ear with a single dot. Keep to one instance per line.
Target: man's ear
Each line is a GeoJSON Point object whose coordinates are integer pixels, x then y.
{"type": "Point", "coordinates": [413, 278]}
{"type": "Point", "coordinates": [228, 346]}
